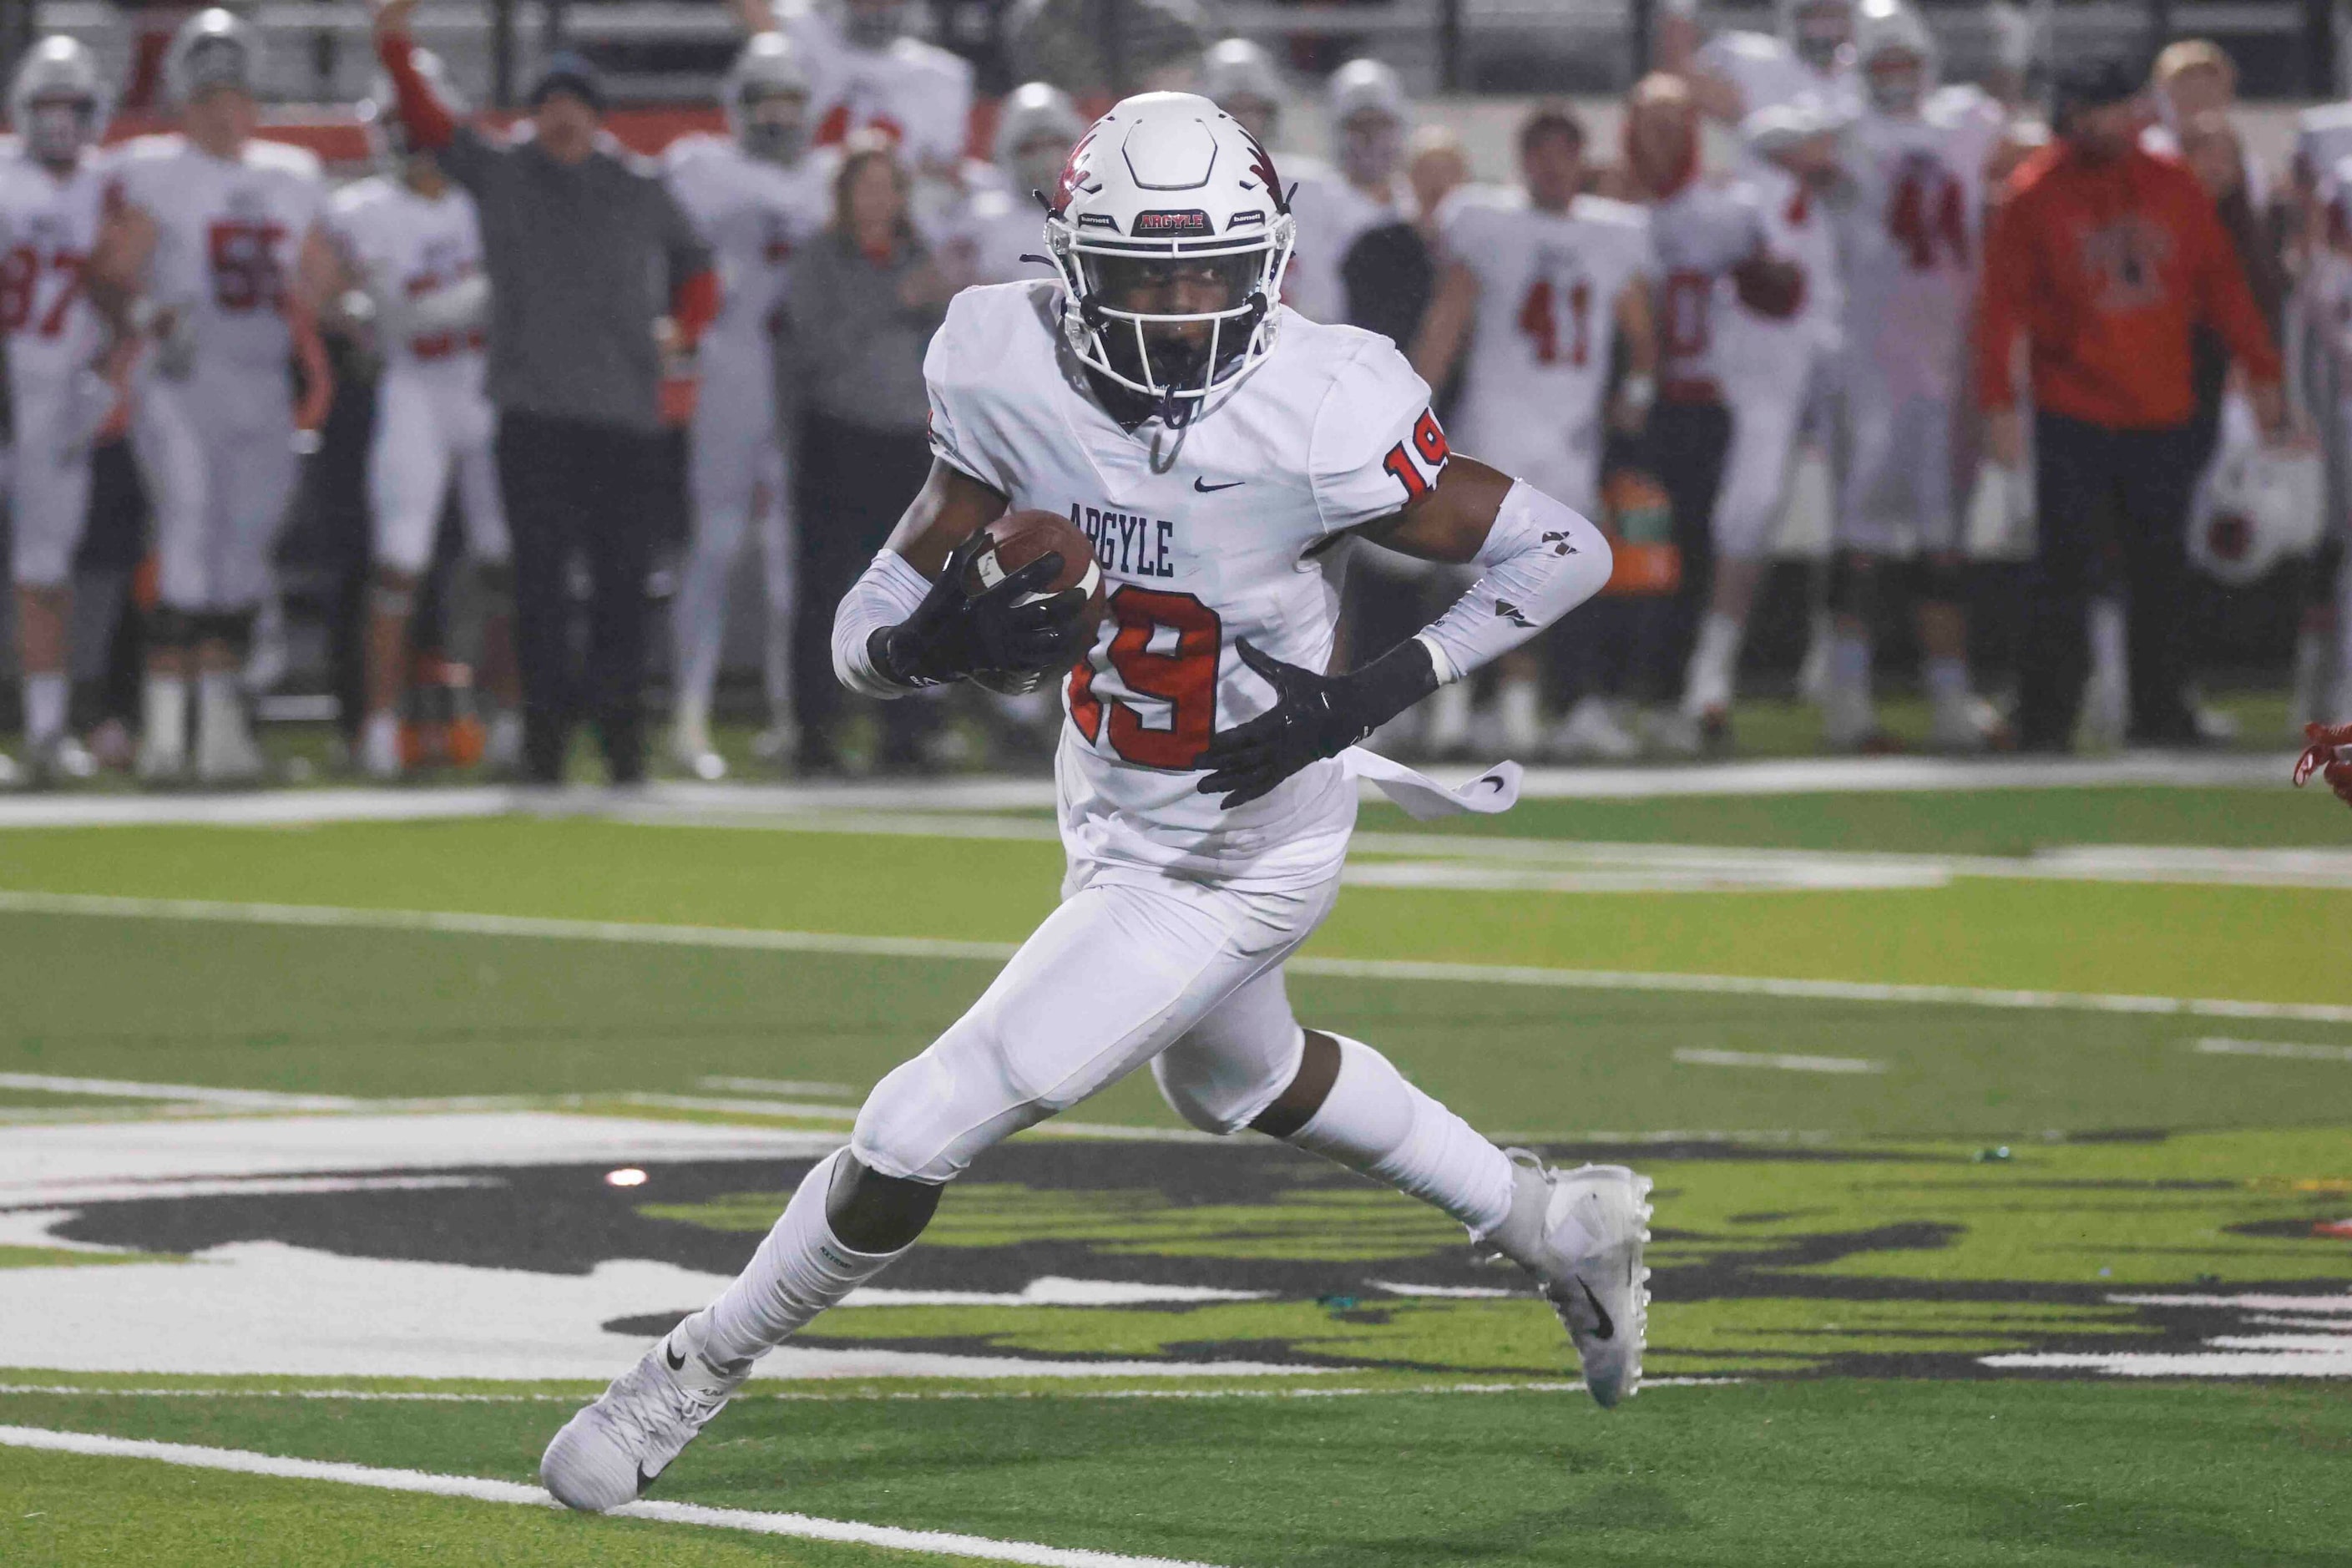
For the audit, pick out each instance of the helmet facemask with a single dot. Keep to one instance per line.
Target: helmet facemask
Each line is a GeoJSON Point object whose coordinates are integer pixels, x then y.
{"type": "Point", "coordinates": [215, 63]}
{"type": "Point", "coordinates": [1172, 327]}
{"type": "Point", "coordinates": [773, 126]}
{"type": "Point", "coordinates": [56, 130]}
{"type": "Point", "coordinates": [1897, 81]}
{"type": "Point", "coordinates": [1820, 29]}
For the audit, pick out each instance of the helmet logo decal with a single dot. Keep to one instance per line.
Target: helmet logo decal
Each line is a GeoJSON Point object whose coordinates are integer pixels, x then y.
{"type": "Point", "coordinates": [1190, 225]}
{"type": "Point", "coordinates": [1074, 172]}
{"type": "Point", "coordinates": [1262, 166]}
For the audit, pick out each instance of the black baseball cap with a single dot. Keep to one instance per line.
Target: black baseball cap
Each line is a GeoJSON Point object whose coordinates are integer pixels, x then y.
{"type": "Point", "coordinates": [568, 70]}
{"type": "Point", "coordinates": [2094, 83]}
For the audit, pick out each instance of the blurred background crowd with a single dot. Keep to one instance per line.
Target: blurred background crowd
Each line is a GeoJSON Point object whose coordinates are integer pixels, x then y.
{"type": "Point", "coordinates": [393, 393]}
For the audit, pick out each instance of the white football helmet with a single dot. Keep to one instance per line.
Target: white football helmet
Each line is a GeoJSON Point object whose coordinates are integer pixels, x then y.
{"type": "Point", "coordinates": [1239, 78]}
{"type": "Point", "coordinates": [387, 138]}
{"type": "Point", "coordinates": [212, 48]}
{"type": "Point", "coordinates": [1817, 30]}
{"type": "Point", "coordinates": [1167, 178]}
{"type": "Point", "coordinates": [58, 103]}
{"type": "Point", "coordinates": [1369, 114]}
{"type": "Point", "coordinates": [1886, 31]}
{"type": "Point", "coordinates": [766, 95]}
{"type": "Point", "coordinates": [2257, 508]}
{"type": "Point", "coordinates": [1035, 129]}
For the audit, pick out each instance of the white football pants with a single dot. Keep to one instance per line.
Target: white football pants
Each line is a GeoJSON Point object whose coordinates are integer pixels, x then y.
{"type": "Point", "coordinates": [738, 474]}
{"type": "Point", "coordinates": [48, 485]}
{"type": "Point", "coordinates": [1134, 967]}
{"type": "Point", "coordinates": [432, 422]}
{"type": "Point", "coordinates": [216, 451]}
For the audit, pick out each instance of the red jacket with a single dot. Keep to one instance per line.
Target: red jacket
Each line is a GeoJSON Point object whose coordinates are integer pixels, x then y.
{"type": "Point", "coordinates": [2104, 266]}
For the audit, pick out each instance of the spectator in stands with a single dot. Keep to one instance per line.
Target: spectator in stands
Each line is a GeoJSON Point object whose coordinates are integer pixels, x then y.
{"type": "Point", "coordinates": [866, 297]}
{"type": "Point", "coordinates": [585, 252]}
{"type": "Point", "coordinates": [2103, 260]}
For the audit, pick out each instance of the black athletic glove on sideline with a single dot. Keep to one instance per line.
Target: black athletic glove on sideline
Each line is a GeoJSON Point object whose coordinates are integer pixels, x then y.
{"type": "Point", "coordinates": [1314, 716]}
{"type": "Point", "coordinates": [955, 636]}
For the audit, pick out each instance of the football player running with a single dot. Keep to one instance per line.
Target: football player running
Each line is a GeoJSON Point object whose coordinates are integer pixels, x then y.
{"type": "Point", "coordinates": [1035, 127]}
{"type": "Point", "coordinates": [52, 188]}
{"type": "Point", "coordinates": [409, 243]}
{"type": "Point", "coordinates": [1212, 443]}
{"type": "Point", "coordinates": [754, 196]}
{"type": "Point", "coordinates": [199, 255]}
{"type": "Point", "coordinates": [1333, 207]}
{"type": "Point", "coordinates": [1538, 285]}
{"type": "Point", "coordinates": [1910, 228]}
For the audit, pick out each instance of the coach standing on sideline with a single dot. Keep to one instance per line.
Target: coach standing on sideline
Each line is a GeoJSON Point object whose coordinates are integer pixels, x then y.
{"type": "Point", "coordinates": [2104, 258]}
{"type": "Point", "coordinates": [575, 238]}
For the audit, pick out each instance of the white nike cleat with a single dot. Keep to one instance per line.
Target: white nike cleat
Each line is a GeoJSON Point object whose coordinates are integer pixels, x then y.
{"type": "Point", "coordinates": [1580, 1234]}
{"type": "Point", "coordinates": [611, 1452]}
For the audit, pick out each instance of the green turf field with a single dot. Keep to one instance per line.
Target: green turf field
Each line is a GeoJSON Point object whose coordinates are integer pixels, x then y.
{"type": "Point", "coordinates": [2048, 1266]}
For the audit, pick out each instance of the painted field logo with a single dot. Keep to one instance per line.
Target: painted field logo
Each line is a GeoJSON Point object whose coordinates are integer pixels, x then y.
{"type": "Point", "coordinates": [1188, 224]}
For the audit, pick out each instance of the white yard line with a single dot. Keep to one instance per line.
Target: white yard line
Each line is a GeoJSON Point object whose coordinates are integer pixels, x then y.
{"type": "Point", "coordinates": [120, 1088]}
{"type": "Point", "coordinates": [854, 1397]}
{"type": "Point", "coordinates": [2286, 1050]}
{"type": "Point", "coordinates": [1381, 969]}
{"type": "Point", "coordinates": [800, 1526]}
{"type": "Point", "coordinates": [1781, 1063]}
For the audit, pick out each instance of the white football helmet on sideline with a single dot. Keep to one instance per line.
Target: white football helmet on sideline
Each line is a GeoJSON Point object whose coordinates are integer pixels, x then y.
{"type": "Point", "coordinates": [1167, 179]}
{"type": "Point", "coordinates": [58, 103]}
{"type": "Point", "coordinates": [1239, 76]}
{"type": "Point", "coordinates": [1368, 115]}
{"type": "Point", "coordinates": [387, 137]}
{"type": "Point", "coordinates": [765, 96]}
{"type": "Point", "coordinates": [1034, 131]}
{"type": "Point", "coordinates": [1887, 33]}
{"type": "Point", "coordinates": [1817, 30]}
{"type": "Point", "coordinates": [2257, 508]}
{"type": "Point", "coordinates": [212, 48]}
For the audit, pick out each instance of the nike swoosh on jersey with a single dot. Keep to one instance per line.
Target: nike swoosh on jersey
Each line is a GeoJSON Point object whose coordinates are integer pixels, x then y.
{"type": "Point", "coordinates": [1206, 489]}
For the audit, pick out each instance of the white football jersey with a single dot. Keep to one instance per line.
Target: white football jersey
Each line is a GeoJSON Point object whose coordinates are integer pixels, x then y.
{"type": "Point", "coordinates": [1539, 355]}
{"type": "Point", "coordinates": [1911, 236]}
{"type": "Point", "coordinates": [913, 92]}
{"type": "Point", "coordinates": [1768, 74]}
{"type": "Point", "coordinates": [405, 245]}
{"type": "Point", "coordinates": [754, 215]}
{"type": "Point", "coordinates": [47, 226]}
{"type": "Point", "coordinates": [1699, 233]}
{"type": "Point", "coordinates": [1762, 352]}
{"type": "Point", "coordinates": [228, 232]}
{"type": "Point", "coordinates": [1332, 215]}
{"type": "Point", "coordinates": [992, 229]}
{"type": "Point", "coordinates": [1205, 537]}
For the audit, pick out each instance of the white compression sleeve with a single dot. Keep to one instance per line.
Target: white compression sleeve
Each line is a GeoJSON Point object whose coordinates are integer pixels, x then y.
{"type": "Point", "coordinates": [1541, 561]}
{"type": "Point", "coordinates": [887, 594]}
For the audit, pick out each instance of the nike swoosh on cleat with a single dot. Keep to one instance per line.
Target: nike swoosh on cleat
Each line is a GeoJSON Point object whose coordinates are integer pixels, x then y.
{"type": "Point", "coordinates": [677, 1362]}
{"type": "Point", "coordinates": [1207, 488]}
{"type": "Point", "coordinates": [1607, 1328]}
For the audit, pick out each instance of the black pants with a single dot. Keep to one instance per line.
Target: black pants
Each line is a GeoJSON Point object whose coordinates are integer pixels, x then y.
{"type": "Point", "coordinates": [1687, 443]}
{"type": "Point", "coordinates": [854, 482]}
{"type": "Point", "coordinates": [574, 489]}
{"type": "Point", "coordinates": [2094, 488]}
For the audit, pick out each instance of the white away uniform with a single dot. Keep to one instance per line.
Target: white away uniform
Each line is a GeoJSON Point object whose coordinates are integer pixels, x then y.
{"type": "Point", "coordinates": [1332, 215]}
{"type": "Point", "coordinates": [1538, 362]}
{"type": "Point", "coordinates": [752, 214]}
{"type": "Point", "coordinates": [913, 92]}
{"type": "Point", "coordinates": [1177, 913]}
{"type": "Point", "coordinates": [215, 444]}
{"type": "Point", "coordinates": [1911, 238]}
{"type": "Point", "coordinates": [47, 226]}
{"type": "Point", "coordinates": [1768, 74]}
{"type": "Point", "coordinates": [432, 416]}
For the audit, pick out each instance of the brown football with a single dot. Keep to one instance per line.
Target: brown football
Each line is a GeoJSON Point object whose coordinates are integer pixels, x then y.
{"type": "Point", "coordinates": [1017, 537]}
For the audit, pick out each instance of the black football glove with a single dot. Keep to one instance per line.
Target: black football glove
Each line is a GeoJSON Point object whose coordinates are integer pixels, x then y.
{"type": "Point", "coordinates": [1313, 716]}
{"type": "Point", "coordinates": [955, 636]}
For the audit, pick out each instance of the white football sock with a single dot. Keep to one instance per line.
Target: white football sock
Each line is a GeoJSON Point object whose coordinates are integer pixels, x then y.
{"type": "Point", "coordinates": [1374, 1122]}
{"type": "Point", "coordinates": [1712, 663]}
{"type": "Point", "coordinates": [165, 716]}
{"type": "Point", "coordinates": [1445, 722]}
{"type": "Point", "coordinates": [800, 1270]}
{"type": "Point", "coordinates": [1516, 705]}
{"type": "Point", "coordinates": [1850, 661]}
{"type": "Point", "coordinates": [2109, 653]}
{"type": "Point", "coordinates": [1947, 680]}
{"type": "Point", "coordinates": [45, 706]}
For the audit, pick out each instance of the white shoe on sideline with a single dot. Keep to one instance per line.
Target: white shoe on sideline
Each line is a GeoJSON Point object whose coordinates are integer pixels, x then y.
{"type": "Point", "coordinates": [226, 752]}
{"type": "Point", "coordinates": [611, 1451]}
{"type": "Point", "coordinates": [1594, 731]}
{"type": "Point", "coordinates": [379, 747]}
{"type": "Point", "coordinates": [690, 749]}
{"type": "Point", "coordinates": [1580, 1234]}
{"type": "Point", "coordinates": [502, 749]}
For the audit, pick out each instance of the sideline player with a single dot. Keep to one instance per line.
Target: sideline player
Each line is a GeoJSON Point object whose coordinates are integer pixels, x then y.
{"type": "Point", "coordinates": [1035, 127]}
{"type": "Point", "coordinates": [51, 192]}
{"type": "Point", "coordinates": [754, 196]}
{"type": "Point", "coordinates": [1239, 76]}
{"type": "Point", "coordinates": [1207, 770]}
{"type": "Point", "coordinates": [200, 254]}
{"type": "Point", "coordinates": [1539, 284]}
{"type": "Point", "coordinates": [1335, 205]}
{"type": "Point", "coordinates": [1911, 232]}
{"type": "Point", "coordinates": [409, 239]}
{"type": "Point", "coordinates": [866, 73]}
{"type": "Point", "coordinates": [1735, 74]}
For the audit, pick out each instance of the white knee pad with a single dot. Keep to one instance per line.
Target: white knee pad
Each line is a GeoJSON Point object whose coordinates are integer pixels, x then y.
{"type": "Point", "coordinates": [931, 1117]}
{"type": "Point", "coordinates": [1235, 1062]}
